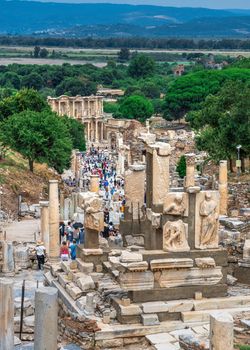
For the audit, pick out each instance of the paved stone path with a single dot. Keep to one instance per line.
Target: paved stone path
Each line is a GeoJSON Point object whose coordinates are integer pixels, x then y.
{"type": "Point", "coordinates": [23, 231]}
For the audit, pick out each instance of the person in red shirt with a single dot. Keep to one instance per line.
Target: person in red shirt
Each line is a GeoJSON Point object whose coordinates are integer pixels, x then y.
{"type": "Point", "coordinates": [64, 251]}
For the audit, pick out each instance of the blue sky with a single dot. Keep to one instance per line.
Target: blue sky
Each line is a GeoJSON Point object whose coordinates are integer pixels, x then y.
{"type": "Point", "coordinates": [217, 4]}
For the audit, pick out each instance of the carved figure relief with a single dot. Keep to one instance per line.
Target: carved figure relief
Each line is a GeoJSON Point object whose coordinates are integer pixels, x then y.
{"type": "Point", "coordinates": [94, 217]}
{"type": "Point", "coordinates": [207, 221]}
{"type": "Point", "coordinates": [176, 204]}
{"type": "Point", "coordinates": [175, 236]}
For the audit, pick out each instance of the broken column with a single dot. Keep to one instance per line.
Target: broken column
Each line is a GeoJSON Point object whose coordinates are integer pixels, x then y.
{"type": "Point", "coordinates": [221, 331]}
{"type": "Point", "coordinates": [93, 224]}
{"type": "Point", "coordinates": [223, 187]}
{"type": "Point", "coordinates": [45, 224]}
{"type": "Point", "coordinates": [190, 170]}
{"type": "Point", "coordinates": [94, 183]}
{"type": "Point", "coordinates": [6, 314]}
{"type": "Point", "coordinates": [46, 314]}
{"type": "Point", "coordinates": [8, 267]}
{"type": "Point", "coordinates": [54, 245]}
{"type": "Point", "coordinates": [157, 163]}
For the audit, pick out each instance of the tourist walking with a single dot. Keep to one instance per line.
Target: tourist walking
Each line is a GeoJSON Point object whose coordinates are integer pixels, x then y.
{"type": "Point", "coordinates": [64, 252]}
{"type": "Point", "coordinates": [40, 254]}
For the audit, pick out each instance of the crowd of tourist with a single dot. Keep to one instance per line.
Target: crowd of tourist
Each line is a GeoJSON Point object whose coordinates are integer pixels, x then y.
{"type": "Point", "coordinates": [111, 189]}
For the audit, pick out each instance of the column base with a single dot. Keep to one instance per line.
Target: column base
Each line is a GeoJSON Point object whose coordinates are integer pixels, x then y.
{"type": "Point", "coordinates": [97, 251]}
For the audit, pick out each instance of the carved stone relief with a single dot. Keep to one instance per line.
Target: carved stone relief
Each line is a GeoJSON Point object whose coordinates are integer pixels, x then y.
{"type": "Point", "coordinates": [206, 222]}
{"type": "Point", "coordinates": [175, 236]}
{"type": "Point", "coordinates": [176, 204]}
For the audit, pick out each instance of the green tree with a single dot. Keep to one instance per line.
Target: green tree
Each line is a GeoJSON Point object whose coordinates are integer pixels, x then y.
{"type": "Point", "coordinates": [76, 131]}
{"type": "Point", "coordinates": [141, 66]}
{"type": "Point", "coordinates": [135, 107]}
{"type": "Point", "coordinates": [181, 167]}
{"type": "Point", "coordinates": [151, 90]}
{"type": "Point", "coordinates": [75, 86]}
{"type": "Point", "coordinates": [37, 50]}
{"type": "Point", "coordinates": [25, 99]}
{"type": "Point", "coordinates": [11, 80]}
{"type": "Point", "coordinates": [38, 136]}
{"type": "Point", "coordinates": [188, 92]}
{"type": "Point", "coordinates": [124, 54]}
{"type": "Point", "coordinates": [32, 81]}
{"type": "Point", "coordinates": [223, 122]}
{"type": "Point", "coordinates": [44, 53]}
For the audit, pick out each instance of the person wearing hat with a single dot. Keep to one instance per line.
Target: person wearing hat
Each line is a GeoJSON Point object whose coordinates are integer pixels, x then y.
{"type": "Point", "coordinates": [40, 254]}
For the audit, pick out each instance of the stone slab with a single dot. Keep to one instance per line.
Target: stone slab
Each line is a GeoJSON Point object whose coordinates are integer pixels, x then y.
{"type": "Point", "coordinates": [219, 255]}
{"type": "Point", "coordinates": [222, 303]}
{"type": "Point", "coordinates": [149, 319]}
{"type": "Point", "coordinates": [171, 263]}
{"type": "Point", "coordinates": [160, 338]}
{"type": "Point", "coordinates": [165, 294]}
{"type": "Point", "coordinates": [204, 316]}
{"type": "Point", "coordinates": [165, 346]}
{"type": "Point", "coordinates": [154, 307]}
{"type": "Point", "coordinates": [130, 310]}
{"type": "Point", "coordinates": [180, 306]}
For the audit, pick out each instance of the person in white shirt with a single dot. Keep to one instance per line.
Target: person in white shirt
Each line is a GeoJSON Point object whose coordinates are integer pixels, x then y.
{"type": "Point", "coordinates": [40, 254]}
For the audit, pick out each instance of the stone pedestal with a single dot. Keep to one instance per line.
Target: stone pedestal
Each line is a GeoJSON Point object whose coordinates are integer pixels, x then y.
{"type": "Point", "coordinates": [8, 258]}
{"type": "Point", "coordinates": [221, 331]}
{"type": "Point", "coordinates": [157, 173]}
{"type": "Point", "coordinates": [54, 242]}
{"type": "Point", "coordinates": [94, 183]}
{"type": "Point", "coordinates": [189, 179]}
{"type": "Point", "coordinates": [91, 239]}
{"type": "Point", "coordinates": [223, 187]}
{"type": "Point", "coordinates": [46, 314]}
{"type": "Point", "coordinates": [135, 189]}
{"type": "Point", "coordinates": [45, 224]}
{"type": "Point", "coordinates": [6, 315]}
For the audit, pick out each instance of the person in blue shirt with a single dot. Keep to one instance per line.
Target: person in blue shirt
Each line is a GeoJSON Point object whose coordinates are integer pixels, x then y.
{"type": "Point", "coordinates": [72, 248]}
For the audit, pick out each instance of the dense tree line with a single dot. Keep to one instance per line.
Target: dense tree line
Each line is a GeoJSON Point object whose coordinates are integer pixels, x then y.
{"type": "Point", "coordinates": [133, 43]}
{"type": "Point", "coordinates": [28, 126]}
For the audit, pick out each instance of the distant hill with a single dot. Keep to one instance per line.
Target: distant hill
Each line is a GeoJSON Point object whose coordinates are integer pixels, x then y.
{"type": "Point", "coordinates": [107, 20]}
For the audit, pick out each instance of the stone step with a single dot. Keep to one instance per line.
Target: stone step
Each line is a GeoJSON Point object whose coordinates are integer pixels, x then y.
{"type": "Point", "coordinates": [204, 316]}
{"type": "Point", "coordinates": [222, 303]}
{"type": "Point", "coordinates": [66, 298]}
{"type": "Point", "coordinates": [84, 266]}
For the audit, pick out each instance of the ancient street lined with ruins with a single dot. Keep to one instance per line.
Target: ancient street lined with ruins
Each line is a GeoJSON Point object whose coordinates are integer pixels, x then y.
{"type": "Point", "coordinates": [174, 273]}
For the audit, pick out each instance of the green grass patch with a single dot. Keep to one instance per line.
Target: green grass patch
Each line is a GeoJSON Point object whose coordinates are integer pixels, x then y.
{"type": "Point", "coordinates": [242, 347]}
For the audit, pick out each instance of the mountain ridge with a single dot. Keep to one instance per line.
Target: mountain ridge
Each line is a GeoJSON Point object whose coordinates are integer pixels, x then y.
{"type": "Point", "coordinates": [33, 17]}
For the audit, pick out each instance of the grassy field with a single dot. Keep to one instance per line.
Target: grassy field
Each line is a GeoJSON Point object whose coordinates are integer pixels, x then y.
{"type": "Point", "coordinates": [23, 55]}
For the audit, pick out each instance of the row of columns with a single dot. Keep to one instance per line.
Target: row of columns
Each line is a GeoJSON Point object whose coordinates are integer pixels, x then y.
{"type": "Point", "coordinates": [85, 107]}
{"type": "Point", "coordinates": [46, 315]}
{"type": "Point", "coordinates": [92, 130]}
{"type": "Point", "coordinates": [50, 221]}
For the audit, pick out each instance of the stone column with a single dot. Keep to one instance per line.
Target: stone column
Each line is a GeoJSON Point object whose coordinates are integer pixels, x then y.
{"type": "Point", "coordinates": [45, 224]}
{"type": "Point", "coordinates": [134, 188]}
{"type": "Point", "coordinates": [8, 258]}
{"type": "Point", "coordinates": [102, 132]}
{"type": "Point", "coordinates": [94, 183]}
{"type": "Point", "coordinates": [190, 161]}
{"type": "Point", "coordinates": [223, 187]}
{"type": "Point", "coordinates": [54, 245]}
{"type": "Point", "coordinates": [88, 126]}
{"type": "Point", "coordinates": [61, 205]}
{"type": "Point", "coordinates": [6, 314]}
{"type": "Point", "coordinates": [96, 131]}
{"type": "Point", "coordinates": [120, 167]}
{"type": "Point", "coordinates": [157, 170]}
{"type": "Point", "coordinates": [221, 331]}
{"type": "Point", "coordinates": [46, 314]}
